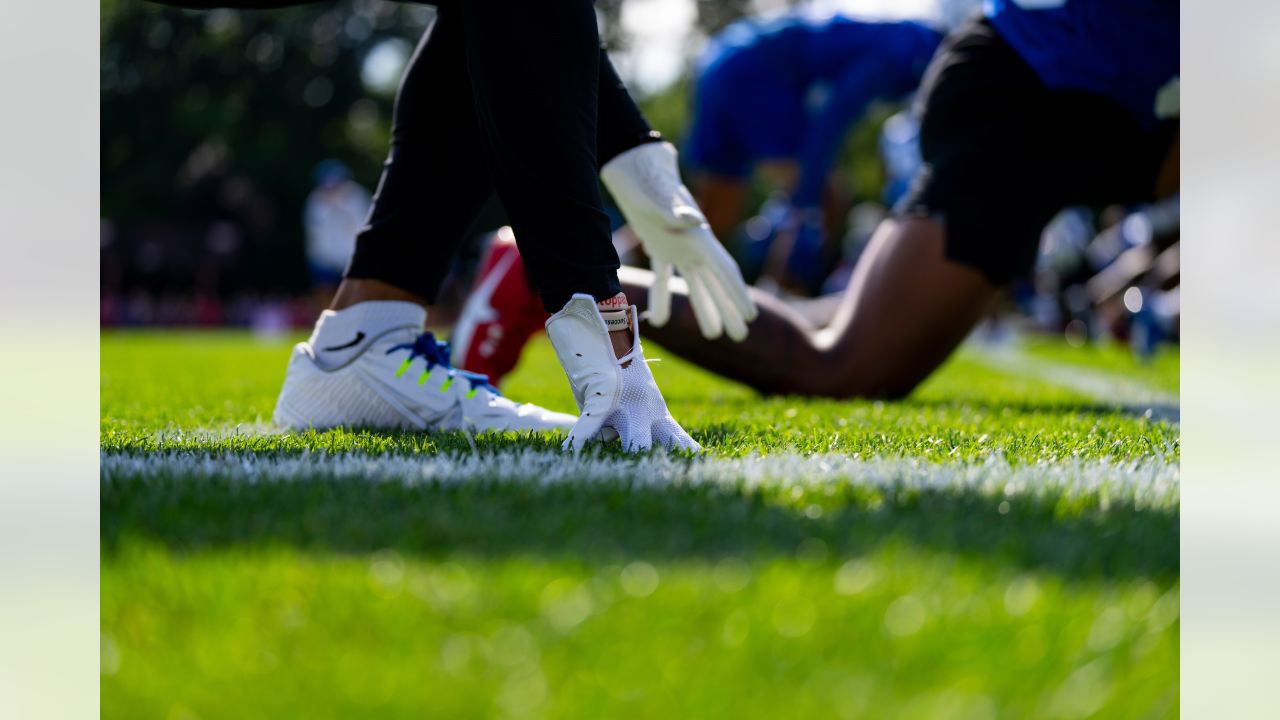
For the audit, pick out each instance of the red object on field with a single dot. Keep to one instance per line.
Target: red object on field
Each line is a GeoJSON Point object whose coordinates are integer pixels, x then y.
{"type": "Point", "coordinates": [501, 314]}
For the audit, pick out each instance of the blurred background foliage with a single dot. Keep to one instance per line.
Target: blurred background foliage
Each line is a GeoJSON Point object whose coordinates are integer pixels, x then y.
{"type": "Point", "coordinates": [219, 117]}
{"type": "Point", "coordinates": [213, 121]}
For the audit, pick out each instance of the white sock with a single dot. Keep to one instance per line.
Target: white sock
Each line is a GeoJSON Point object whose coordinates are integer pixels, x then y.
{"type": "Point", "coordinates": [341, 335]}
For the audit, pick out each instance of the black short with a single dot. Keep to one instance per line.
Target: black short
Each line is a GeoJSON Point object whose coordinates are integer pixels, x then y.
{"type": "Point", "coordinates": [1003, 153]}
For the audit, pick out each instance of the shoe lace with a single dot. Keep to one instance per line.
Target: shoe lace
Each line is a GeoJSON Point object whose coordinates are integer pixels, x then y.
{"type": "Point", "coordinates": [436, 353]}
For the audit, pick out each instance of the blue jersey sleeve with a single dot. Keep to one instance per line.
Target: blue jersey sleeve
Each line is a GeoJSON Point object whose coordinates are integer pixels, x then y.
{"type": "Point", "coordinates": [848, 98]}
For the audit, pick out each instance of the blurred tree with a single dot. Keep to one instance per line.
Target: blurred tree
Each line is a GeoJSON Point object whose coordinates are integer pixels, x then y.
{"type": "Point", "coordinates": [611, 33]}
{"type": "Point", "coordinates": [220, 116]}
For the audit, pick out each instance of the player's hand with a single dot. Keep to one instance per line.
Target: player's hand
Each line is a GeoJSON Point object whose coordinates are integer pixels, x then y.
{"type": "Point", "coordinates": [637, 414]}
{"type": "Point", "coordinates": [645, 182]}
{"type": "Point", "coordinates": [616, 396]}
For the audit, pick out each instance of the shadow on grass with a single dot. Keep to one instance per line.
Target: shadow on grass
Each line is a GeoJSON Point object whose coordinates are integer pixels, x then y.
{"type": "Point", "coordinates": [612, 522]}
{"type": "Point", "coordinates": [1159, 411]}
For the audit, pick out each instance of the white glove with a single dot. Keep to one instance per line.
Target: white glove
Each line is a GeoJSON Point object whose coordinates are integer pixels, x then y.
{"type": "Point", "coordinates": [610, 397]}
{"type": "Point", "coordinates": [645, 182]}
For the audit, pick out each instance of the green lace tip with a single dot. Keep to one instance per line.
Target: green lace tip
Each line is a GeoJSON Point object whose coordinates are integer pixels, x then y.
{"type": "Point", "coordinates": [423, 377]}
{"type": "Point", "coordinates": [404, 366]}
{"type": "Point", "coordinates": [445, 386]}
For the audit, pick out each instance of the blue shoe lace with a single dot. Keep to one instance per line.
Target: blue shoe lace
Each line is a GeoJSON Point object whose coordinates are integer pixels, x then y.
{"type": "Point", "coordinates": [436, 353]}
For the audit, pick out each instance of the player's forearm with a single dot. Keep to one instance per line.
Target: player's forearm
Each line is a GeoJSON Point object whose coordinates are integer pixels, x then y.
{"type": "Point", "coordinates": [850, 94]}
{"type": "Point", "coordinates": [780, 355]}
{"type": "Point", "coordinates": [848, 103]}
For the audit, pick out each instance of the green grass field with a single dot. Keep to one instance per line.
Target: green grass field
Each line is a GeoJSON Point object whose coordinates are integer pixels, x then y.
{"type": "Point", "coordinates": [1003, 544]}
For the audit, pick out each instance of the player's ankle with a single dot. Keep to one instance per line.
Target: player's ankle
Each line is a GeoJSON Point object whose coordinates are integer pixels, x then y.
{"type": "Point", "coordinates": [617, 316]}
{"type": "Point", "coordinates": [621, 341]}
{"type": "Point", "coordinates": [357, 290]}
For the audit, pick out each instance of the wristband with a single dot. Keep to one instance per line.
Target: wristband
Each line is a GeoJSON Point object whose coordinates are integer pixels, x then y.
{"type": "Point", "coordinates": [616, 320]}
{"type": "Point", "coordinates": [615, 312]}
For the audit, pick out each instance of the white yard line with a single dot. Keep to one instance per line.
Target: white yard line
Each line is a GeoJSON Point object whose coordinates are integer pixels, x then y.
{"type": "Point", "coordinates": [1106, 388]}
{"type": "Point", "coordinates": [1148, 483]}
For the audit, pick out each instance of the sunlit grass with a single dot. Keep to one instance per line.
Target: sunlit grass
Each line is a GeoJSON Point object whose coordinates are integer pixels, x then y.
{"type": "Point", "coordinates": [233, 592]}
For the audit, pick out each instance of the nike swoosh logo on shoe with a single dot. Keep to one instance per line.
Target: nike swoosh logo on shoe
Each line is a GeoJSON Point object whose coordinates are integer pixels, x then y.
{"type": "Point", "coordinates": [353, 343]}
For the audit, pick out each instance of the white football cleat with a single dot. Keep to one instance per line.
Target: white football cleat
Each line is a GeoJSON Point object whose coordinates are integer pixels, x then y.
{"type": "Point", "coordinates": [611, 398]}
{"type": "Point", "coordinates": [385, 372]}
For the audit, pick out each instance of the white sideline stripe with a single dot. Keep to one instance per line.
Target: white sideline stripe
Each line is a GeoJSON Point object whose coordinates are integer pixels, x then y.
{"type": "Point", "coordinates": [1147, 483]}
{"type": "Point", "coordinates": [1104, 387]}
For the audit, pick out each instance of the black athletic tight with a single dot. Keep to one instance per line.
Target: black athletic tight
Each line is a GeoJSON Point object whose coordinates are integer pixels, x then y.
{"type": "Point", "coordinates": [502, 97]}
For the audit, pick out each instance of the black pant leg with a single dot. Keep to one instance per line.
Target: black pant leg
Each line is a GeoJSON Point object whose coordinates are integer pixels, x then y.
{"type": "Point", "coordinates": [620, 125]}
{"type": "Point", "coordinates": [435, 180]}
{"type": "Point", "coordinates": [401, 223]}
{"type": "Point", "coordinates": [534, 69]}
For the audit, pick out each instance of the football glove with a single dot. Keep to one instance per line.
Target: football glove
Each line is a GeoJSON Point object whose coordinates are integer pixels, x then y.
{"type": "Point", "coordinates": [611, 398]}
{"type": "Point", "coordinates": [645, 182]}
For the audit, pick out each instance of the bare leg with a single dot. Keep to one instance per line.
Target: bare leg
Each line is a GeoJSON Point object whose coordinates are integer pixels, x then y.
{"type": "Point", "coordinates": [906, 310]}
{"type": "Point", "coordinates": [358, 290]}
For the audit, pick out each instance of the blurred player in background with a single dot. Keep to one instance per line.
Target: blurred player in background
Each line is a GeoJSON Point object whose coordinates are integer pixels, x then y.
{"type": "Point", "coordinates": [1121, 282]}
{"type": "Point", "coordinates": [1023, 112]}
{"type": "Point", "coordinates": [778, 96]}
{"type": "Point", "coordinates": [332, 216]}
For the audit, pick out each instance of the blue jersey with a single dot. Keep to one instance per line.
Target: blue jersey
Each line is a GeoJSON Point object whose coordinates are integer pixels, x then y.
{"type": "Point", "coordinates": [821, 48]}
{"type": "Point", "coordinates": [790, 87]}
{"type": "Point", "coordinates": [1126, 50]}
